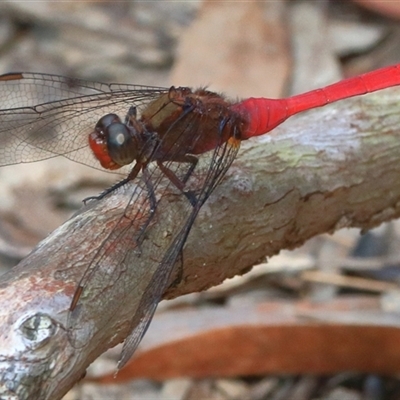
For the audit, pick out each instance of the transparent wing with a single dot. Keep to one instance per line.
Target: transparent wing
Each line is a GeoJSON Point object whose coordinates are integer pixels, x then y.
{"type": "Point", "coordinates": [218, 164]}
{"type": "Point", "coordinates": [44, 116]}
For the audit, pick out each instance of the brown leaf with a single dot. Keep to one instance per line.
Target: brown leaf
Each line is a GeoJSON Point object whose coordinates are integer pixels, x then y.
{"type": "Point", "coordinates": [269, 338]}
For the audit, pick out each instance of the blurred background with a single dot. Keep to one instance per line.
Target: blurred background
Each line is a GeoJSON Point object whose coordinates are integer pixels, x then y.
{"type": "Point", "coordinates": [243, 48]}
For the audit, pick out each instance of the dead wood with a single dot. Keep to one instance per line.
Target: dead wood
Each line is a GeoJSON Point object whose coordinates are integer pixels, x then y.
{"type": "Point", "coordinates": [328, 169]}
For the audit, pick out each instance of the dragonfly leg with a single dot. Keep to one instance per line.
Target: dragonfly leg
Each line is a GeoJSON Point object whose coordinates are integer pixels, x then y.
{"type": "Point", "coordinates": [131, 115]}
{"type": "Point", "coordinates": [180, 183]}
{"type": "Point", "coordinates": [116, 186]}
{"type": "Point", "coordinates": [107, 191]}
{"type": "Point", "coordinates": [193, 160]}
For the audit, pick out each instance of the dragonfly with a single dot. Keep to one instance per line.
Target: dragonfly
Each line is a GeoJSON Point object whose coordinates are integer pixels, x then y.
{"type": "Point", "coordinates": [161, 140]}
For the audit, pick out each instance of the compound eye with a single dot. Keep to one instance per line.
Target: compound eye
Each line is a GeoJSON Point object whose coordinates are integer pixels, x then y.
{"type": "Point", "coordinates": [120, 145]}
{"type": "Point", "coordinates": [105, 121]}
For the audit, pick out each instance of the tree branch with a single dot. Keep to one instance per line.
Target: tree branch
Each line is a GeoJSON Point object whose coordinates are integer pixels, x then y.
{"type": "Point", "coordinates": [330, 168]}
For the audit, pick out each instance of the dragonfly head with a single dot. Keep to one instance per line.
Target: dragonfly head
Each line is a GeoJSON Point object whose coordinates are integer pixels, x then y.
{"type": "Point", "coordinates": [114, 143]}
